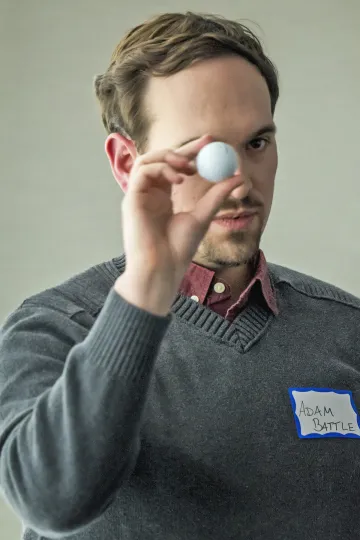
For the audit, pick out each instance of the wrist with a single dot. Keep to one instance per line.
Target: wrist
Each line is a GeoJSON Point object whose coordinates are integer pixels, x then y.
{"type": "Point", "coordinates": [147, 292]}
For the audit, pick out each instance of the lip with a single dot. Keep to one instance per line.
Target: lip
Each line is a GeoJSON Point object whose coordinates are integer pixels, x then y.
{"type": "Point", "coordinates": [236, 215]}
{"type": "Point", "coordinates": [235, 222]}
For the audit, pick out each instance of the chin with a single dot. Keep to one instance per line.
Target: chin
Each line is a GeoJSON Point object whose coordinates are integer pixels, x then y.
{"type": "Point", "coordinates": [235, 250]}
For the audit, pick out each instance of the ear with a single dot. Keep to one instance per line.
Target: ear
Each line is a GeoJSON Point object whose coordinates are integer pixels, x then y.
{"type": "Point", "coordinates": [122, 154]}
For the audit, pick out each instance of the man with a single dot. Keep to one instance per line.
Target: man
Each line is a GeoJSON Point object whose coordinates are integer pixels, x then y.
{"type": "Point", "coordinates": [191, 390]}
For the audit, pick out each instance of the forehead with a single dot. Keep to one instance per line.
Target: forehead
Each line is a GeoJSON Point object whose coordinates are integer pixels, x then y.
{"type": "Point", "coordinates": [225, 96]}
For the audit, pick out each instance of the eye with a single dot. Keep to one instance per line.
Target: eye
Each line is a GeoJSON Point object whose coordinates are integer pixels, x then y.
{"type": "Point", "coordinates": [258, 144]}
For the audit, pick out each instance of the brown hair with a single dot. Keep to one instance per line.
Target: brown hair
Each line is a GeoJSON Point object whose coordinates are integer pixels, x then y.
{"type": "Point", "coordinates": [164, 45]}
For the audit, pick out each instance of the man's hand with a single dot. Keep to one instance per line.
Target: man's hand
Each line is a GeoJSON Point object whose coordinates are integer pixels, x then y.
{"type": "Point", "coordinates": [159, 245]}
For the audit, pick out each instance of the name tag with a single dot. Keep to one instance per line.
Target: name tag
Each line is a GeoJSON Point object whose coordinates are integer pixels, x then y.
{"type": "Point", "coordinates": [323, 412]}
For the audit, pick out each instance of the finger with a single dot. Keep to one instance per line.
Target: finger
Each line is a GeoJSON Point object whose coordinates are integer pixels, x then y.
{"type": "Point", "coordinates": [183, 154]}
{"type": "Point", "coordinates": [174, 159]}
{"type": "Point", "coordinates": [208, 206]}
{"type": "Point", "coordinates": [191, 149]}
{"type": "Point", "coordinates": [153, 174]}
{"type": "Point", "coordinates": [181, 163]}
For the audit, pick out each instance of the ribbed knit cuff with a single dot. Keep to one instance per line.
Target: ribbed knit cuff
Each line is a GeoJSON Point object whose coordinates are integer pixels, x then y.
{"type": "Point", "coordinates": [125, 338]}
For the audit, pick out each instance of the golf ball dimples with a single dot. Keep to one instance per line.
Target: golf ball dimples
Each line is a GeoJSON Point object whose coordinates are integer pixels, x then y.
{"type": "Point", "coordinates": [217, 161]}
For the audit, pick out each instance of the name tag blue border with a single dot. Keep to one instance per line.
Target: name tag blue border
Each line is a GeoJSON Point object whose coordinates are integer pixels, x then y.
{"type": "Point", "coordinates": [327, 434]}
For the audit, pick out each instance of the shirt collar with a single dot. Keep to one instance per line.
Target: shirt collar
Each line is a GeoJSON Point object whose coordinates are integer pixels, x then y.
{"type": "Point", "coordinates": [198, 279]}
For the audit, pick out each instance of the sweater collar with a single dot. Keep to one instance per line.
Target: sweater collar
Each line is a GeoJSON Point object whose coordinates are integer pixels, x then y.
{"type": "Point", "coordinates": [261, 277]}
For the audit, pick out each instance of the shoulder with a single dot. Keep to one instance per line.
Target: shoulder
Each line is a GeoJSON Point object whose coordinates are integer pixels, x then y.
{"type": "Point", "coordinates": [285, 279]}
{"type": "Point", "coordinates": [55, 319]}
{"type": "Point", "coordinates": [84, 291]}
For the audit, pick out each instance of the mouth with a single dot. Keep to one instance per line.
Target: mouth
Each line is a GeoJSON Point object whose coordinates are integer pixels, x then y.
{"type": "Point", "coordinates": [236, 215]}
{"type": "Point", "coordinates": [235, 221]}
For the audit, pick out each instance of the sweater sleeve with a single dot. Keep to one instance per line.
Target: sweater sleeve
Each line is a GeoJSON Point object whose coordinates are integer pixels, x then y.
{"type": "Point", "coordinates": [70, 409]}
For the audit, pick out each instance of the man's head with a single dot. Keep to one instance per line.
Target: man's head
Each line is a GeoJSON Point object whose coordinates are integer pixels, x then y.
{"type": "Point", "coordinates": [179, 76]}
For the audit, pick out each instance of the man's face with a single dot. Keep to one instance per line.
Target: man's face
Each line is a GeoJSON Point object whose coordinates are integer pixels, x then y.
{"type": "Point", "coordinates": [227, 98]}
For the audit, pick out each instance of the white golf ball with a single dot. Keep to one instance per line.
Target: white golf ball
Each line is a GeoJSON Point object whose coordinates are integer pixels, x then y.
{"type": "Point", "coordinates": [217, 161]}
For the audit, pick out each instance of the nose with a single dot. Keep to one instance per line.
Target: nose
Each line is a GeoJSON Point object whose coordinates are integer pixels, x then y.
{"type": "Point", "coordinates": [242, 191]}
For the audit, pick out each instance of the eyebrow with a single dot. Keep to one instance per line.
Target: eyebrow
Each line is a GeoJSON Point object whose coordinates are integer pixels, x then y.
{"type": "Point", "coordinates": [269, 128]}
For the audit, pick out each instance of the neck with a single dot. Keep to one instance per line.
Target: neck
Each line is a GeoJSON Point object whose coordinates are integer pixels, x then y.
{"type": "Point", "coordinates": [238, 278]}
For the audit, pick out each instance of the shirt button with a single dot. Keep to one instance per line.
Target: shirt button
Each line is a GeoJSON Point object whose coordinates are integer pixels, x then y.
{"type": "Point", "coordinates": [195, 298]}
{"type": "Point", "coordinates": [219, 288]}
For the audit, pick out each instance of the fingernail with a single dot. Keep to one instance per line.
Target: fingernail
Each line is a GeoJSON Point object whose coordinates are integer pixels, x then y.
{"type": "Point", "coordinates": [192, 165]}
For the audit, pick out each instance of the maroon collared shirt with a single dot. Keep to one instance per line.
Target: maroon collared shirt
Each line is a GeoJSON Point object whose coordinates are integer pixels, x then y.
{"type": "Point", "coordinates": [200, 283]}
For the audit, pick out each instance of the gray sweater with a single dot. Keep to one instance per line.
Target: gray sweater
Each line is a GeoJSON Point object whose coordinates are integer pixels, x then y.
{"type": "Point", "coordinates": [116, 424]}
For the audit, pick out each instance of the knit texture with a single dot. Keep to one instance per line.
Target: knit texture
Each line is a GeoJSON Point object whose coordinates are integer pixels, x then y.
{"type": "Point", "coordinates": [116, 424]}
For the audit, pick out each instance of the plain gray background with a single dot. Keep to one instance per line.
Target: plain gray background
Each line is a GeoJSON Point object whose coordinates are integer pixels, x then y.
{"type": "Point", "coordinates": [59, 205]}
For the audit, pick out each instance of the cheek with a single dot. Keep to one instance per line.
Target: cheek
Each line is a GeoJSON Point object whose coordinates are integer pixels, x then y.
{"type": "Point", "coordinates": [269, 183]}
{"type": "Point", "coordinates": [273, 160]}
{"type": "Point", "coordinates": [263, 183]}
{"type": "Point", "coordinates": [268, 176]}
